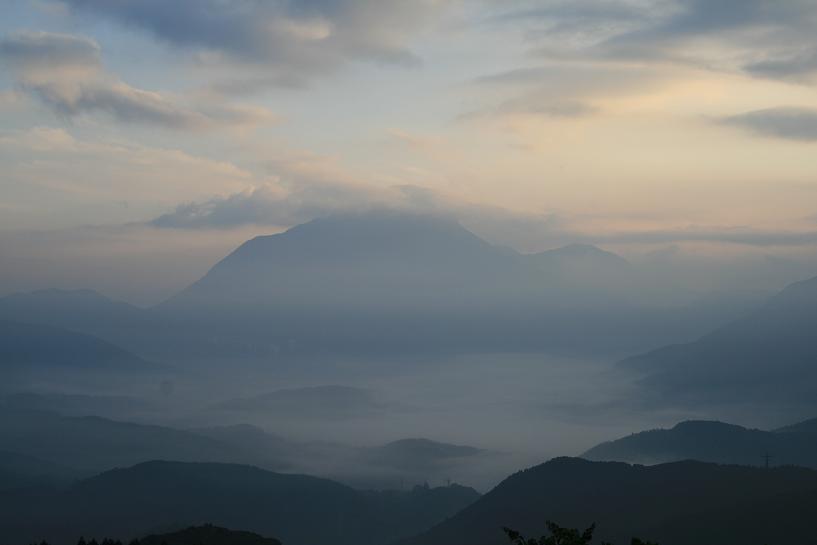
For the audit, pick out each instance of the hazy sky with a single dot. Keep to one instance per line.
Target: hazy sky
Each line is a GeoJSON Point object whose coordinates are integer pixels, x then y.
{"type": "Point", "coordinates": [197, 123]}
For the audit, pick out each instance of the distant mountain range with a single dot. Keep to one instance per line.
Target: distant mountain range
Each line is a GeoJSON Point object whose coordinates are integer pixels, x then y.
{"type": "Point", "coordinates": [673, 504]}
{"type": "Point", "coordinates": [388, 282]}
{"type": "Point", "coordinates": [714, 442]}
{"type": "Point", "coordinates": [89, 444]}
{"type": "Point", "coordinates": [380, 283]}
{"type": "Point", "coordinates": [298, 509]}
{"type": "Point", "coordinates": [25, 346]}
{"type": "Point", "coordinates": [770, 355]}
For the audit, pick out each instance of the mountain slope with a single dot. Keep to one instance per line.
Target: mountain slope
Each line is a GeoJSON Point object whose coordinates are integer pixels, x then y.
{"type": "Point", "coordinates": [769, 355]}
{"type": "Point", "coordinates": [65, 308]}
{"type": "Point", "coordinates": [298, 509]}
{"type": "Point", "coordinates": [353, 259]}
{"type": "Point", "coordinates": [710, 442]}
{"type": "Point", "coordinates": [25, 345]}
{"type": "Point", "coordinates": [673, 504]}
{"type": "Point", "coordinates": [806, 426]}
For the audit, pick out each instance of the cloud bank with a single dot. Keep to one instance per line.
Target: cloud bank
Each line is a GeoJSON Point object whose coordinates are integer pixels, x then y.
{"type": "Point", "coordinates": [294, 40]}
{"type": "Point", "coordinates": [65, 73]}
{"type": "Point", "coordinates": [786, 122]}
{"type": "Point", "coordinates": [758, 37]}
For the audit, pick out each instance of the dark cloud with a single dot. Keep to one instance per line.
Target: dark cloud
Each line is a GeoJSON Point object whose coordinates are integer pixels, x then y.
{"type": "Point", "coordinates": [64, 73]}
{"type": "Point", "coordinates": [796, 65]}
{"type": "Point", "coordinates": [48, 50]}
{"type": "Point", "coordinates": [292, 38]}
{"type": "Point", "coordinates": [762, 37]}
{"type": "Point", "coordinates": [789, 123]}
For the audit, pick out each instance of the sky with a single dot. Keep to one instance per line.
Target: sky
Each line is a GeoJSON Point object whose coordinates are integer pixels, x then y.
{"type": "Point", "coordinates": [144, 138]}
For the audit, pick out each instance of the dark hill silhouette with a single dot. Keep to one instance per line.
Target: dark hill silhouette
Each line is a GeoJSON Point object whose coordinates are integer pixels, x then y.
{"type": "Point", "coordinates": [298, 509]}
{"type": "Point", "coordinates": [25, 346]}
{"type": "Point", "coordinates": [208, 534]}
{"type": "Point", "coordinates": [767, 356]}
{"type": "Point", "coordinates": [710, 442]}
{"type": "Point", "coordinates": [806, 426]}
{"type": "Point", "coordinates": [21, 471]}
{"type": "Point", "coordinates": [94, 444]}
{"type": "Point", "coordinates": [674, 504]}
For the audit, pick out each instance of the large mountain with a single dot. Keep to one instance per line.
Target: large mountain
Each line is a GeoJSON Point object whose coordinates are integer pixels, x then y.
{"type": "Point", "coordinates": [393, 283]}
{"type": "Point", "coordinates": [374, 259]}
{"type": "Point", "coordinates": [158, 496]}
{"type": "Point", "coordinates": [673, 504]}
{"type": "Point", "coordinates": [712, 442]}
{"type": "Point", "coordinates": [768, 355]}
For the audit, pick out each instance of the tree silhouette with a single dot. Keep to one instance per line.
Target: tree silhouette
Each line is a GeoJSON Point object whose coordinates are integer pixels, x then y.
{"type": "Point", "coordinates": [558, 536]}
{"type": "Point", "coordinates": [562, 536]}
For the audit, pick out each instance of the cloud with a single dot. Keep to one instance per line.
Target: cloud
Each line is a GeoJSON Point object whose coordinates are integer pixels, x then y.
{"type": "Point", "coordinates": [535, 105]}
{"type": "Point", "coordinates": [292, 38]}
{"type": "Point", "coordinates": [64, 73]}
{"type": "Point", "coordinates": [29, 50]}
{"type": "Point", "coordinates": [760, 37]}
{"type": "Point", "coordinates": [54, 178]}
{"type": "Point", "coordinates": [796, 65]}
{"type": "Point", "coordinates": [786, 122]}
{"type": "Point", "coordinates": [277, 206]}
{"type": "Point", "coordinates": [563, 89]}
{"type": "Point", "coordinates": [293, 202]}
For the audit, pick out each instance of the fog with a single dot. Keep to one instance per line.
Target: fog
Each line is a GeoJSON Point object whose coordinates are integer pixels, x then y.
{"type": "Point", "coordinates": [388, 349]}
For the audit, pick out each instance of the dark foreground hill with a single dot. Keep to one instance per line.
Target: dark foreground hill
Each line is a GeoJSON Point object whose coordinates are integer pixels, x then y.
{"type": "Point", "coordinates": [712, 442]}
{"type": "Point", "coordinates": [682, 503]}
{"type": "Point", "coordinates": [207, 534]}
{"type": "Point", "coordinates": [153, 496]}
